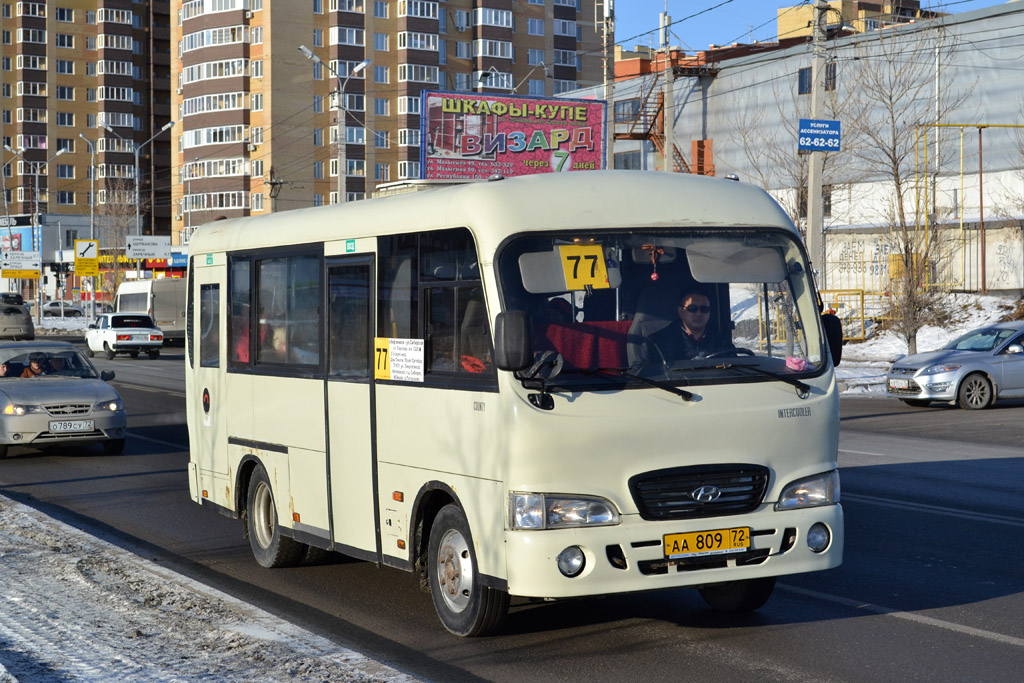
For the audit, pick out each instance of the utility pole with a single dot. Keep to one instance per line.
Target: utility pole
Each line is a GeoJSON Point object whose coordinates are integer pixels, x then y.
{"type": "Point", "coordinates": [275, 189]}
{"type": "Point", "coordinates": [815, 222]}
{"type": "Point", "coordinates": [607, 69]}
{"type": "Point", "coordinates": [668, 109]}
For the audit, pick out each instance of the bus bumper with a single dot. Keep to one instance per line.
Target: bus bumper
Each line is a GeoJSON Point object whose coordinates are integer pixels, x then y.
{"type": "Point", "coordinates": [630, 556]}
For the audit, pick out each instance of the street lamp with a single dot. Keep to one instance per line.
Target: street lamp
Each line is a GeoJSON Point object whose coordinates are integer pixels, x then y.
{"type": "Point", "coordinates": [488, 77]}
{"type": "Point", "coordinates": [92, 217]}
{"type": "Point", "coordinates": [35, 220]}
{"type": "Point", "coordinates": [138, 185]}
{"type": "Point", "coordinates": [342, 113]}
{"type": "Point", "coordinates": [539, 65]}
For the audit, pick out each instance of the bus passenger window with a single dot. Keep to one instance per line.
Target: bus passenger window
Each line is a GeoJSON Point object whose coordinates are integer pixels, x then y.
{"type": "Point", "coordinates": [209, 326]}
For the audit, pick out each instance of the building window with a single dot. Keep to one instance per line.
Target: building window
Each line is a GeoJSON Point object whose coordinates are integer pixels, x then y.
{"type": "Point", "coordinates": [256, 100]}
{"type": "Point", "coordinates": [408, 169]}
{"type": "Point", "coordinates": [380, 9]}
{"type": "Point", "coordinates": [381, 106]}
{"type": "Point", "coordinates": [65, 40]}
{"type": "Point", "coordinates": [408, 137]}
{"type": "Point", "coordinates": [626, 111]}
{"type": "Point", "coordinates": [380, 74]}
{"type": "Point", "coordinates": [536, 87]}
{"type": "Point", "coordinates": [257, 201]}
{"type": "Point", "coordinates": [318, 170]}
{"type": "Point", "coordinates": [826, 200]}
{"type": "Point", "coordinates": [806, 80]}
{"type": "Point", "coordinates": [65, 66]}
{"type": "Point", "coordinates": [380, 41]}
{"type": "Point", "coordinates": [564, 27]}
{"type": "Point", "coordinates": [318, 37]}
{"type": "Point", "coordinates": [65, 118]}
{"type": "Point", "coordinates": [381, 139]}
{"type": "Point", "coordinates": [629, 161]}
{"type": "Point", "coordinates": [66, 171]}
{"type": "Point", "coordinates": [65, 197]}
{"type": "Point", "coordinates": [535, 27]}
{"type": "Point", "coordinates": [382, 172]}
{"type": "Point", "coordinates": [534, 57]}
{"type": "Point", "coordinates": [355, 167]}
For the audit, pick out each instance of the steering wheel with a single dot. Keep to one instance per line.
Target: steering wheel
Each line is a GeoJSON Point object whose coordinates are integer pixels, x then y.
{"type": "Point", "coordinates": [730, 353]}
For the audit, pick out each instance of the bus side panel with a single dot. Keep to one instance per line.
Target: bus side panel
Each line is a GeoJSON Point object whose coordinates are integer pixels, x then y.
{"type": "Point", "coordinates": [289, 412]}
{"type": "Point", "coordinates": [426, 434]}
{"type": "Point", "coordinates": [481, 500]}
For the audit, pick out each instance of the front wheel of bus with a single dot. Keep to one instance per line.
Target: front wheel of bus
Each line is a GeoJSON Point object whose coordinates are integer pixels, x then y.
{"type": "Point", "coordinates": [465, 606]}
{"type": "Point", "coordinates": [269, 547]}
{"type": "Point", "coordinates": [738, 596]}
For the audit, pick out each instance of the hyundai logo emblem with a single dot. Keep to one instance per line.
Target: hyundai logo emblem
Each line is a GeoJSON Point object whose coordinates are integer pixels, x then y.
{"type": "Point", "coordinates": [706, 494]}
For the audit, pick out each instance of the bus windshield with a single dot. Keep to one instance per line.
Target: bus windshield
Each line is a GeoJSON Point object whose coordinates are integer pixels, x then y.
{"type": "Point", "coordinates": [682, 306]}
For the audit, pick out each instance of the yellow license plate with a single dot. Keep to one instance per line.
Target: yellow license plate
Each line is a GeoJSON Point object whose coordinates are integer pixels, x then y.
{"type": "Point", "coordinates": [715, 542]}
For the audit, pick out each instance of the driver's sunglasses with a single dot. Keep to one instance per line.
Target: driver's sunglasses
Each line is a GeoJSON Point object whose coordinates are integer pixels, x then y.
{"type": "Point", "coordinates": [694, 308]}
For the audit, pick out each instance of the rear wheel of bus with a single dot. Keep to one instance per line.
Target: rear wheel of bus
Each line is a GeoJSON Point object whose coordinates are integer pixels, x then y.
{"type": "Point", "coordinates": [269, 547]}
{"type": "Point", "coordinates": [738, 596]}
{"type": "Point", "coordinates": [465, 606]}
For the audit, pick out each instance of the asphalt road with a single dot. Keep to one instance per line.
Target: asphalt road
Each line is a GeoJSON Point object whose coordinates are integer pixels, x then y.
{"type": "Point", "coordinates": [930, 589]}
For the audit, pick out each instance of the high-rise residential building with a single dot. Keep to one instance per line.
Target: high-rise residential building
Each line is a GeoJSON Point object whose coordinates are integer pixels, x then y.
{"type": "Point", "coordinates": [69, 69]}
{"type": "Point", "coordinates": [257, 117]}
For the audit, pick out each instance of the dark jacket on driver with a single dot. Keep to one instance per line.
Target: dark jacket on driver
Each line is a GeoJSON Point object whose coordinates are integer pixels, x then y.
{"type": "Point", "coordinates": [675, 343]}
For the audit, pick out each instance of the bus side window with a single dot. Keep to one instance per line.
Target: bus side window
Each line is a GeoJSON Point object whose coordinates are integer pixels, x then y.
{"type": "Point", "coordinates": [209, 326]}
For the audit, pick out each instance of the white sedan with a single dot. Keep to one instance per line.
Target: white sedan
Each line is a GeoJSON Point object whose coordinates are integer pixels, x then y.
{"type": "Point", "coordinates": [130, 333]}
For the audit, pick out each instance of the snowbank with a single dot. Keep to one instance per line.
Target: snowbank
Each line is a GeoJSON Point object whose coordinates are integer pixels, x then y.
{"type": "Point", "coordinates": [76, 608]}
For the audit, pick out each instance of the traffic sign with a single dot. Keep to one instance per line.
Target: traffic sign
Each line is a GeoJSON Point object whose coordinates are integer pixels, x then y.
{"type": "Point", "coordinates": [20, 274]}
{"type": "Point", "coordinates": [20, 260]}
{"type": "Point", "coordinates": [818, 136]}
{"type": "Point", "coordinates": [149, 246]}
{"type": "Point", "coordinates": [87, 258]}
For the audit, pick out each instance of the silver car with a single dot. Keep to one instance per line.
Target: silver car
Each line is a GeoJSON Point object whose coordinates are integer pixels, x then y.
{"type": "Point", "coordinates": [16, 322]}
{"type": "Point", "coordinates": [973, 370]}
{"type": "Point", "coordinates": [50, 394]}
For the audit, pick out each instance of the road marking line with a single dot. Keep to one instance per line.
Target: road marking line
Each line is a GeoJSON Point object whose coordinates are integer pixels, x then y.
{"type": "Point", "coordinates": [161, 442]}
{"type": "Point", "coordinates": [847, 450]}
{"type": "Point", "coordinates": [908, 616]}
{"type": "Point", "coordinates": [936, 509]}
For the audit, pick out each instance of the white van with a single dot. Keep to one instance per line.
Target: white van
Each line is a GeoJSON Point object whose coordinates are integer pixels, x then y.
{"type": "Point", "coordinates": [163, 300]}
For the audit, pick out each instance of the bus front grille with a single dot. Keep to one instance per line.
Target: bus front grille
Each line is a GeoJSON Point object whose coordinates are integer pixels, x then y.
{"type": "Point", "coordinates": [698, 491]}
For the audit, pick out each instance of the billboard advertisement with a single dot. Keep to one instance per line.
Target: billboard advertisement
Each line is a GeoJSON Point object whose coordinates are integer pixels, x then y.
{"type": "Point", "coordinates": [476, 135]}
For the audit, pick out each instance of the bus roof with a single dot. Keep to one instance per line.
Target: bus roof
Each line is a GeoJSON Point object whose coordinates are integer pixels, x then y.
{"type": "Point", "coordinates": [493, 210]}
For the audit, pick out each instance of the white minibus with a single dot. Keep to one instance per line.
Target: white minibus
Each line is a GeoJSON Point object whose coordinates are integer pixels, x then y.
{"type": "Point", "coordinates": [493, 385]}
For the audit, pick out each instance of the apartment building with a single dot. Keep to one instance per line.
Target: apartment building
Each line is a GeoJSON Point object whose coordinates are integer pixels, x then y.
{"type": "Point", "coordinates": [257, 117]}
{"type": "Point", "coordinates": [69, 69]}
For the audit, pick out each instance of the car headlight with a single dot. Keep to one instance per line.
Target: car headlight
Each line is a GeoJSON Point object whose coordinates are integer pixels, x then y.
{"type": "Point", "coordinates": [821, 489]}
{"type": "Point", "coordinates": [936, 369]}
{"type": "Point", "coordinates": [21, 409]}
{"type": "Point", "coordinates": [554, 511]}
{"type": "Point", "coordinates": [112, 406]}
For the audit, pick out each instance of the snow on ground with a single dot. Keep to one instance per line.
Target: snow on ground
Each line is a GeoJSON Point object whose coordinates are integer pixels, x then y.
{"type": "Point", "coordinates": [75, 608]}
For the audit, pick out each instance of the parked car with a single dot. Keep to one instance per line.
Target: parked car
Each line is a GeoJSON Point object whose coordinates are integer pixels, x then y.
{"type": "Point", "coordinates": [130, 333]}
{"type": "Point", "coordinates": [973, 370]}
{"type": "Point", "coordinates": [15, 321]}
{"type": "Point", "coordinates": [60, 309]}
{"type": "Point", "coordinates": [67, 403]}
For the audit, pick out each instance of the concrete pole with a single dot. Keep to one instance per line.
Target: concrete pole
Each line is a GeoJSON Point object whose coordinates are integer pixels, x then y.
{"type": "Point", "coordinates": [815, 222]}
{"type": "Point", "coordinates": [669, 110]}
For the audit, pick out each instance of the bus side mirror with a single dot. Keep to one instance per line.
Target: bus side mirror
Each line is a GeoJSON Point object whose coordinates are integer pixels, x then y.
{"type": "Point", "coordinates": [833, 327]}
{"type": "Point", "coordinates": [512, 341]}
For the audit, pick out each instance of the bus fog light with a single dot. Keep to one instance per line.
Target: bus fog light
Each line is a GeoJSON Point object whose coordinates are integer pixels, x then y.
{"type": "Point", "coordinates": [818, 537]}
{"type": "Point", "coordinates": [571, 561]}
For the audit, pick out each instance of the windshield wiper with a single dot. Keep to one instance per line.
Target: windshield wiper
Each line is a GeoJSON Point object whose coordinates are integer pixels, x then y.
{"type": "Point", "coordinates": [624, 372]}
{"type": "Point", "coordinates": [753, 368]}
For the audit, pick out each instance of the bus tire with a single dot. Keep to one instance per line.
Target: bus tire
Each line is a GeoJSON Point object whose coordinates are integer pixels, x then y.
{"type": "Point", "coordinates": [464, 605]}
{"type": "Point", "coordinates": [738, 596]}
{"type": "Point", "coordinates": [269, 547]}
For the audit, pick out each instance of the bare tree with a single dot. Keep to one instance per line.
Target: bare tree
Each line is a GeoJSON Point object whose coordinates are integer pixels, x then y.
{"type": "Point", "coordinates": [895, 76]}
{"type": "Point", "coordinates": [116, 224]}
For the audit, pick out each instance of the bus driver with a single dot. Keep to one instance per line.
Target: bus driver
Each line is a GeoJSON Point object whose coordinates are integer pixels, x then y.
{"type": "Point", "coordinates": [692, 336]}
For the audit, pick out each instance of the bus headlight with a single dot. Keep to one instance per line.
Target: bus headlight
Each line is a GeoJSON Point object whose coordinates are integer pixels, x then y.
{"type": "Point", "coordinates": [551, 511]}
{"type": "Point", "coordinates": [821, 489]}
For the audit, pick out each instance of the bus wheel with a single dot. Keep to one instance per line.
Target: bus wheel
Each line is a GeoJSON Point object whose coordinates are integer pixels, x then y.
{"type": "Point", "coordinates": [738, 596]}
{"type": "Point", "coordinates": [465, 606]}
{"type": "Point", "coordinates": [269, 547]}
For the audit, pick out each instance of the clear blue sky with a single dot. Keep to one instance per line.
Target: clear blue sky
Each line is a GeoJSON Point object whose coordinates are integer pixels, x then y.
{"type": "Point", "coordinates": [723, 22]}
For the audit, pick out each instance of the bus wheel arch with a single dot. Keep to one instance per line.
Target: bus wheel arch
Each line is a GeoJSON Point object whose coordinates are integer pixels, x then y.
{"type": "Point", "coordinates": [448, 567]}
{"type": "Point", "coordinates": [270, 546]}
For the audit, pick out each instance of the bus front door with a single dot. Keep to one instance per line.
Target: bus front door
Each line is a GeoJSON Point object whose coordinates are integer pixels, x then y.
{"type": "Point", "coordinates": [349, 377]}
